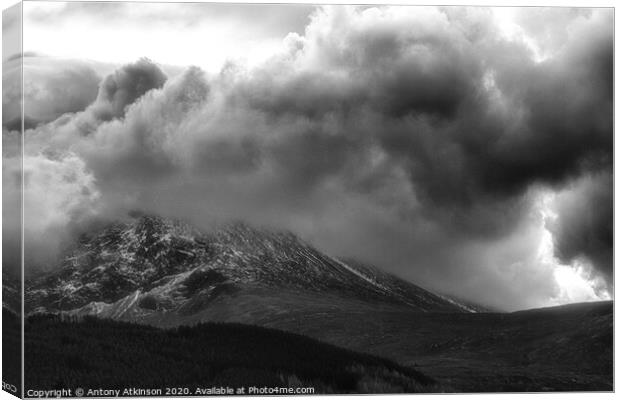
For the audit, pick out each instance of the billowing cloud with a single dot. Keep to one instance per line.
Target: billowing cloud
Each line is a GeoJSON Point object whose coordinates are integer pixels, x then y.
{"type": "Point", "coordinates": [420, 139]}
{"type": "Point", "coordinates": [124, 87]}
{"type": "Point", "coordinates": [70, 196]}
{"type": "Point", "coordinates": [52, 87]}
{"type": "Point", "coordinates": [583, 226]}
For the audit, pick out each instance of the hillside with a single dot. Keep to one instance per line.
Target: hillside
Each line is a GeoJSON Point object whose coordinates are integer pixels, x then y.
{"type": "Point", "coordinates": [556, 349]}
{"type": "Point", "coordinates": [94, 353]}
{"type": "Point", "coordinates": [551, 349]}
{"type": "Point", "coordinates": [159, 275]}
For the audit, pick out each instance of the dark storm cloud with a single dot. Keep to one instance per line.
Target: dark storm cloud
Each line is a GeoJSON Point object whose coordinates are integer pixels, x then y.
{"type": "Point", "coordinates": [569, 102]}
{"type": "Point", "coordinates": [584, 224]}
{"type": "Point", "coordinates": [472, 122]}
{"type": "Point", "coordinates": [416, 138]}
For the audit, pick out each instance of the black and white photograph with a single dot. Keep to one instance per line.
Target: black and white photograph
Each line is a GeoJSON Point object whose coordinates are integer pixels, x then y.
{"type": "Point", "coordinates": [306, 199]}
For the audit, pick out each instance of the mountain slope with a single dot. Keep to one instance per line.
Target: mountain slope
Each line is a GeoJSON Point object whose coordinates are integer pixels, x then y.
{"type": "Point", "coordinates": [560, 348]}
{"type": "Point", "coordinates": [153, 268]}
{"type": "Point", "coordinates": [94, 353]}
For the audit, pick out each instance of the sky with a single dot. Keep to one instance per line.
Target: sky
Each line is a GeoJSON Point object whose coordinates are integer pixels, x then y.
{"type": "Point", "coordinates": [466, 149]}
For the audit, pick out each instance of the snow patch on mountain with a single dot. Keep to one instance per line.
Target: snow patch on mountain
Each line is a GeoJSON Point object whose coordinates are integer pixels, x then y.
{"type": "Point", "coordinates": [154, 265]}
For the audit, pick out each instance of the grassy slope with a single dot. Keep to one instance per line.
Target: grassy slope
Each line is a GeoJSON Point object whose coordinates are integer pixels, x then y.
{"type": "Point", "coordinates": [563, 348]}
{"type": "Point", "coordinates": [97, 353]}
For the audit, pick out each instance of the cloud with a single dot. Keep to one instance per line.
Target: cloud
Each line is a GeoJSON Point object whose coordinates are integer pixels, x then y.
{"type": "Point", "coordinates": [415, 138]}
{"type": "Point", "coordinates": [124, 87]}
{"type": "Point", "coordinates": [11, 201]}
{"type": "Point", "coordinates": [11, 32]}
{"type": "Point", "coordinates": [179, 33]}
{"type": "Point", "coordinates": [583, 227]}
{"type": "Point", "coordinates": [52, 87]}
{"type": "Point", "coordinates": [274, 18]}
{"type": "Point", "coordinates": [70, 196]}
{"type": "Point", "coordinates": [114, 94]}
{"type": "Point", "coordinates": [11, 95]}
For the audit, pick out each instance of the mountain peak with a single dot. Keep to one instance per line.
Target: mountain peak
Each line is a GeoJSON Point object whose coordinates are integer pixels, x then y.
{"type": "Point", "coordinates": [162, 262]}
{"type": "Point", "coordinates": [155, 224]}
{"type": "Point", "coordinates": [245, 235]}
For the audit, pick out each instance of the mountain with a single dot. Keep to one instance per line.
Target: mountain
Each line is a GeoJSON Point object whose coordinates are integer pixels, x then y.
{"type": "Point", "coordinates": [150, 273]}
{"type": "Point", "coordinates": [165, 272]}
